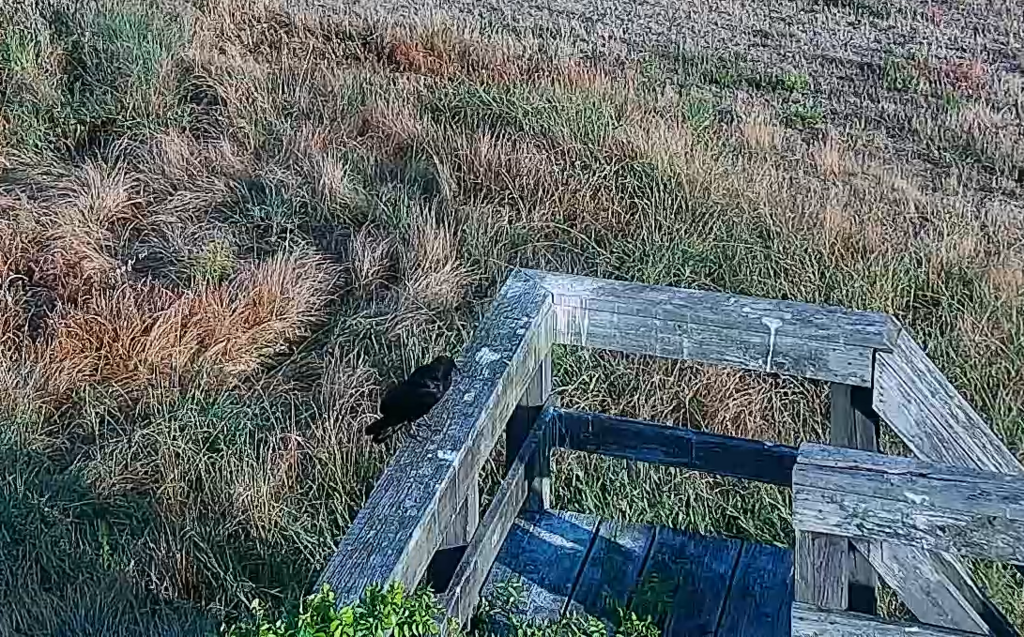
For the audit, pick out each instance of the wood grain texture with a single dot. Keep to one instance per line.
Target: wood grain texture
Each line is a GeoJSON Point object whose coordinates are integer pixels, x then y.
{"type": "Point", "coordinates": [801, 321]}
{"type": "Point", "coordinates": [537, 394]}
{"type": "Point", "coordinates": [904, 500]}
{"type": "Point", "coordinates": [939, 425]}
{"type": "Point", "coordinates": [675, 446]}
{"type": "Point", "coordinates": [612, 569]}
{"type": "Point", "coordinates": [963, 533]}
{"type": "Point", "coordinates": [821, 564]}
{"type": "Point", "coordinates": [545, 551]}
{"type": "Point", "coordinates": [761, 594]}
{"type": "Point", "coordinates": [684, 585]}
{"type": "Point", "coordinates": [811, 341]}
{"type": "Point", "coordinates": [469, 577]}
{"type": "Point", "coordinates": [928, 582]}
{"type": "Point", "coordinates": [855, 425]}
{"type": "Point", "coordinates": [809, 621]}
{"type": "Point", "coordinates": [936, 422]}
{"type": "Point", "coordinates": [910, 481]}
{"type": "Point", "coordinates": [462, 527]}
{"type": "Point", "coordinates": [401, 525]}
{"type": "Point", "coordinates": [907, 501]}
{"type": "Point", "coordinates": [761, 350]}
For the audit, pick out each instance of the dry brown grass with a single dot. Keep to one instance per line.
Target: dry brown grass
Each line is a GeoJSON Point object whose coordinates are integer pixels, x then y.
{"type": "Point", "coordinates": [198, 321]}
{"type": "Point", "coordinates": [139, 335]}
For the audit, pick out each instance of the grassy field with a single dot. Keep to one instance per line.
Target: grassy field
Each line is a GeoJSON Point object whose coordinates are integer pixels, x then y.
{"type": "Point", "coordinates": [225, 227]}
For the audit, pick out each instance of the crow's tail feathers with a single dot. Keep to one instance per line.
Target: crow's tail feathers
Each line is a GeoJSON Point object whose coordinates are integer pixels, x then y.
{"type": "Point", "coordinates": [381, 429]}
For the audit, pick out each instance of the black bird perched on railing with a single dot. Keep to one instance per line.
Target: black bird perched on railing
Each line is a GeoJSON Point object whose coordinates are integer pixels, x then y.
{"type": "Point", "coordinates": [412, 398]}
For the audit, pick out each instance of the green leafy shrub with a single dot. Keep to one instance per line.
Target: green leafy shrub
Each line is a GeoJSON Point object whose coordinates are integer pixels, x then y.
{"type": "Point", "coordinates": [498, 614]}
{"type": "Point", "coordinates": [380, 612]}
{"type": "Point", "coordinates": [391, 611]}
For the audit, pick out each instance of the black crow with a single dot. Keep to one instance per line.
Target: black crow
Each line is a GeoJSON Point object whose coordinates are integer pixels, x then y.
{"type": "Point", "coordinates": [412, 398]}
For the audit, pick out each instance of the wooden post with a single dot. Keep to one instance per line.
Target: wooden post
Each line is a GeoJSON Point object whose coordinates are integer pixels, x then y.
{"type": "Point", "coordinates": [455, 540]}
{"type": "Point", "coordinates": [538, 472]}
{"type": "Point", "coordinates": [467, 518]}
{"type": "Point", "coordinates": [821, 570]}
{"type": "Point", "coordinates": [855, 426]}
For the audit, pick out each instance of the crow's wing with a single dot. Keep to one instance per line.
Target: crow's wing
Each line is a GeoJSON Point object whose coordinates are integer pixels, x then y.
{"type": "Point", "coordinates": [421, 399]}
{"type": "Point", "coordinates": [392, 398]}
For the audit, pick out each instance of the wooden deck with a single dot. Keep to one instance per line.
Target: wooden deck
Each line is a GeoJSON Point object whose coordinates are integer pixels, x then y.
{"type": "Point", "coordinates": [692, 584]}
{"type": "Point", "coordinates": [857, 520]}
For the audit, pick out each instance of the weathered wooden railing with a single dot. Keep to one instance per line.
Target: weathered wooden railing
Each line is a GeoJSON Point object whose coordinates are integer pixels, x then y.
{"type": "Point", "coordinates": [875, 499]}
{"type": "Point", "coordinates": [426, 500]}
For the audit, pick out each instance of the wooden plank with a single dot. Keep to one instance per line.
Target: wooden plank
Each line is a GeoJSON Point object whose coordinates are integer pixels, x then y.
{"type": "Point", "coordinates": [545, 551]}
{"type": "Point", "coordinates": [538, 392]}
{"type": "Point", "coordinates": [809, 621]}
{"type": "Point", "coordinates": [931, 528]}
{"type": "Point", "coordinates": [465, 522]}
{"type": "Point", "coordinates": [855, 425]}
{"type": "Point", "coordinates": [675, 446]}
{"type": "Point", "coordinates": [802, 321]}
{"type": "Point", "coordinates": [761, 595]}
{"type": "Point", "coordinates": [471, 573]}
{"type": "Point", "coordinates": [821, 564]}
{"type": "Point", "coordinates": [611, 571]}
{"type": "Point", "coordinates": [684, 584]}
{"type": "Point", "coordinates": [935, 421]}
{"type": "Point", "coordinates": [928, 581]}
{"type": "Point", "coordinates": [453, 545]}
{"type": "Point", "coordinates": [908, 501]}
{"type": "Point", "coordinates": [939, 425]}
{"type": "Point", "coordinates": [910, 481]}
{"type": "Point", "coordinates": [399, 528]}
{"type": "Point", "coordinates": [763, 350]}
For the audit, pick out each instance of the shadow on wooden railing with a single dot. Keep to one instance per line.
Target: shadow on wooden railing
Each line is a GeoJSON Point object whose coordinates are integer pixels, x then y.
{"type": "Point", "coordinates": [424, 507]}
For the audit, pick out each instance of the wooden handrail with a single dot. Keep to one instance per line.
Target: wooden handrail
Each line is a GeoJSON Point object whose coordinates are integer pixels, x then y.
{"type": "Point", "coordinates": [471, 573]}
{"type": "Point", "coordinates": [907, 501]}
{"type": "Point", "coordinates": [400, 527]}
{"type": "Point", "coordinates": [674, 446]}
{"type": "Point", "coordinates": [878, 374]}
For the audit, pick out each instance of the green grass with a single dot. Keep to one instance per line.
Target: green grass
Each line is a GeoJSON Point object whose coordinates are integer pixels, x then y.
{"type": "Point", "coordinates": [154, 157]}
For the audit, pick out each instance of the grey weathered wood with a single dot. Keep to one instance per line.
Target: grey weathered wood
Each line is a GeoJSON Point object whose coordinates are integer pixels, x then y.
{"type": "Point", "coordinates": [465, 522]}
{"type": "Point", "coordinates": [853, 428]}
{"type": "Point", "coordinates": [910, 481]}
{"type": "Point", "coordinates": [935, 586]}
{"type": "Point", "coordinates": [758, 351]}
{"type": "Point", "coordinates": [964, 511]}
{"type": "Point", "coordinates": [929, 581]}
{"type": "Point", "coordinates": [809, 621]}
{"type": "Point", "coordinates": [935, 421]}
{"type": "Point", "coordinates": [545, 551]}
{"type": "Point", "coordinates": [800, 339]}
{"type": "Point", "coordinates": [612, 569]}
{"type": "Point", "coordinates": [397, 531]}
{"type": "Point", "coordinates": [804, 321]}
{"type": "Point", "coordinates": [675, 446]}
{"type": "Point", "coordinates": [685, 582]}
{"type": "Point", "coordinates": [821, 564]}
{"type": "Point", "coordinates": [939, 425]}
{"type": "Point", "coordinates": [932, 528]}
{"type": "Point", "coordinates": [537, 393]}
{"type": "Point", "coordinates": [471, 573]}
{"type": "Point", "coordinates": [761, 594]}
